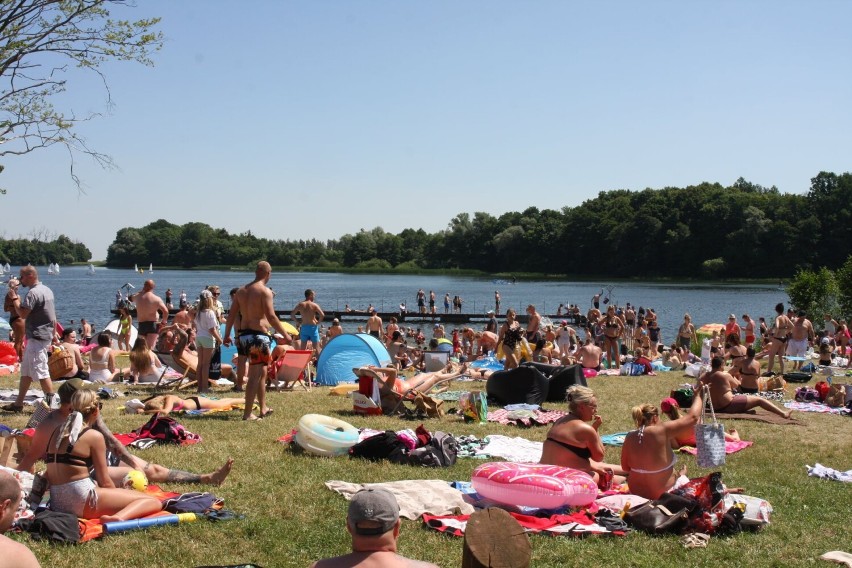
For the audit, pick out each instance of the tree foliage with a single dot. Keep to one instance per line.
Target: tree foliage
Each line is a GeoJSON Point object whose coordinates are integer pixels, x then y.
{"type": "Point", "coordinates": [816, 292]}
{"type": "Point", "coordinates": [42, 249]}
{"type": "Point", "coordinates": [39, 41]}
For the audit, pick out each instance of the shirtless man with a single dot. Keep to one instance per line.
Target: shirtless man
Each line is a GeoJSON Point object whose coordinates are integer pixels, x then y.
{"type": "Point", "coordinates": [589, 355]}
{"type": "Point", "coordinates": [12, 553]}
{"type": "Point", "coordinates": [596, 300]}
{"type": "Point", "coordinates": [312, 315]}
{"type": "Point", "coordinates": [335, 329]}
{"type": "Point", "coordinates": [778, 338]}
{"type": "Point", "coordinates": [533, 324]}
{"type": "Point", "coordinates": [722, 395]}
{"type": "Point", "coordinates": [486, 341]}
{"type": "Point", "coordinates": [252, 304]}
{"type": "Point", "coordinates": [801, 336]}
{"type": "Point", "coordinates": [85, 331]}
{"type": "Point", "coordinates": [750, 329]}
{"type": "Point", "coordinates": [747, 370]}
{"type": "Point", "coordinates": [374, 324]}
{"type": "Point", "coordinates": [148, 306]}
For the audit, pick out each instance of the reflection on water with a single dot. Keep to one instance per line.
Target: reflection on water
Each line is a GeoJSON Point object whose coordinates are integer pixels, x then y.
{"type": "Point", "coordinates": [79, 294]}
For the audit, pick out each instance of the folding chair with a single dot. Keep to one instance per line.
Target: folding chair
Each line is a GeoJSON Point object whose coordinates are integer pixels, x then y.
{"type": "Point", "coordinates": [293, 367]}
{"type": "Point", "coordinates": [186, 380]}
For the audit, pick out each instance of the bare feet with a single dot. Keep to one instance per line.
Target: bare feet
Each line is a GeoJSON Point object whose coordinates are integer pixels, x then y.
{"type": "Point", "coordinates": [788, 414]}
{"type": "Point", "coordinates": [735, 436]}
{"type": "Point", "coordinates": [218, 476]}
{"type": "Point", "coordinates": [110, 518]}
{"type": "Point", "coordinates": [252, 418]}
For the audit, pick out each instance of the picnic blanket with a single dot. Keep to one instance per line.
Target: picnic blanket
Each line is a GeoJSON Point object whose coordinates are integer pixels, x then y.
{"type": "Point", "coordinates": [816, 407]}
{"type": "Point", "coordinates": [730, 447]}
{"type": "Point", "coordinates": [415, 497]}
{"type": "Point", "coordinates": [525, 417]}
{"type": "Point", "coordinates": [574, 524]}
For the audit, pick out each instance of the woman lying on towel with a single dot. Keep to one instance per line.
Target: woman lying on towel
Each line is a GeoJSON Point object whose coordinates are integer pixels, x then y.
{"type": "Point", "coordinates": [73, 449]}
{"type": "Point", "coordinates": [647, 452]}
{"type": "Point", "coordinates": [670, 408]}
{"type": "Point", "coordinates": [387, 377]}
{"type": "Point", "coordinates": [170, 403]}
{"type": "Point", "coordinates": [572, 442]}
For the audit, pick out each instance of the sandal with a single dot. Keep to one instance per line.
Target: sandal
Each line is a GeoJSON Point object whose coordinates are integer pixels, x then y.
{"type": "Point", "coordinates": [12, 407]}
{"type": "Point", "coordinates": [695, 540]}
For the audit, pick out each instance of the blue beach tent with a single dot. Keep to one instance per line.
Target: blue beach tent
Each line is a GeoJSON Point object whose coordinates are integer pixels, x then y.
{"type": "Point", "coordinates": [346, 351]}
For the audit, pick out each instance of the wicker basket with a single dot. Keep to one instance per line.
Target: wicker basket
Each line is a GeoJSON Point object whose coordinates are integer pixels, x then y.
{"type": "Point", "coordinates": [60, 363]}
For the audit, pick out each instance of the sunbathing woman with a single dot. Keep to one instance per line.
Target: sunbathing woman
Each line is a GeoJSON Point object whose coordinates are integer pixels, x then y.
{"type": "Point", "coordinates": [671, 408]}
{"type": "Point", "coordinates": [387, 377]}
{"type": "Point", "coordinates": [572, 442]}
{"type": "Point", "coordinates": [74, 448]}
{"type": "Point", "coordinates": [647, 453]}
{"type": "Point", "coordinates": [170, 403]}
{"type": "Point", "coordinates": [145, 367]}
{"type": "Point", "coordinates": [102, 360]}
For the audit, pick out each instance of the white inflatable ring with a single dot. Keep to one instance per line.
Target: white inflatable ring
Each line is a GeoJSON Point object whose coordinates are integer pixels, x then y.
{"type": "Point", "coordinates": [324, 435]}
{"type": "Point", "coordinates": [534, 485]}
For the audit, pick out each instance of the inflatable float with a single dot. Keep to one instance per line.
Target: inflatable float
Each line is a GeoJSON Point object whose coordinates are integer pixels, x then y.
{"type": "Point", "coordinates": [325, 436]}
{"type": "Point", "coordinates": [534, 485]}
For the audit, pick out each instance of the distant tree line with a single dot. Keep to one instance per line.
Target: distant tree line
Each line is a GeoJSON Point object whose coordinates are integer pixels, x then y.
{"type": "Point", "coordinates": [42, 249]}
{"type": "Point", "coordinates": [701, 231]}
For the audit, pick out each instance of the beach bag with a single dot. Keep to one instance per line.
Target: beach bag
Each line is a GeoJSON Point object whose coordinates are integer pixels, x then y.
{"type": "Point", "coordinates": [384, 446]}
{"type": "Point", "coordinates": [798, 377]}
{"type": "Point", "coordinates": [709, 438]}
{"type": "Point", "coordinates": [215, 371]}
{"type": "Point", "coordinates": [167, 430]}
{"type": "Point", "coordinates": [60, 363]}
{"type": "Point", "coordinates": [807, 394]}
{"type": "Point", "coordinates": [836, 395]}
{"type": "Point", "coordinates": [667, 515]}
{"type": "Point", "coordinates": [822, 388]}
{"type": "Point", "coordinates": [808, 367]}
{"type": "Point", "coordinates": [13, 448]}
{"type": "Point", "coordinates": [441, 451]}
{"type": "Point", "coordinates": [775, 383]}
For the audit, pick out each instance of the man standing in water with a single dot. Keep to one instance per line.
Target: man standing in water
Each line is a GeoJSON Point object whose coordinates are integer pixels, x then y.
{"type": "Point", "coordinates": [312, 315]}
{"type": "Point", "coordinates": [148, 306]}
{"type": "Point", "coordinates": [39, 313]}
{"type": "Point", "coordinates": [253, 305]}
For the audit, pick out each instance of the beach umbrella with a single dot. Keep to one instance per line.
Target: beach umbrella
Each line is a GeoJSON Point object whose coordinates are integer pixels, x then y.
{"type": "Point", "coordinates": [708, 328]}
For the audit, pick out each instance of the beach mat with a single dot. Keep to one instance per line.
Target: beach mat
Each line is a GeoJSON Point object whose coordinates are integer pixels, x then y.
{"type": "Point", "coordinates": [761, 416]}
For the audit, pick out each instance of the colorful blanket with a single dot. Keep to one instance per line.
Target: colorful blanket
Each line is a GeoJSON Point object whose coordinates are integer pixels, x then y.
{"type": "Point", "coordinates": [525, 417]}
{"type": "Point", "coordinates": [575, 524]}
{"type": "Point", "coordinates": [816, 407]}
{"type": "Point", "coordinates": [730, 447]}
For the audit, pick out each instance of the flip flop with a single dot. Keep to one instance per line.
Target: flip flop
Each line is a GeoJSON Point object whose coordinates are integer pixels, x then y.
{"type": "Point", "coordinates": [12, 408]}
{"type": "Point", "coordinates": [267, 413]}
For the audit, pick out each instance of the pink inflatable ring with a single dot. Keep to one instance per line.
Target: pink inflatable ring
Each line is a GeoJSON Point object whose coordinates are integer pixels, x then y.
{"type": "Point", "coordinates": [534, 485]}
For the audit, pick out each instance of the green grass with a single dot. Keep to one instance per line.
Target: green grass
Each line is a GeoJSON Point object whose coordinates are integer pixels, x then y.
{"type": "Point", "coordinates": [293, 519]}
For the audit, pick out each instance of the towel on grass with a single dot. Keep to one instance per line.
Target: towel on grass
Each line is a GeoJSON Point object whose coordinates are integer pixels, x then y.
{"type": "Point", "coordinates": [730, 447]}
{"type": "Point", "coordinates": [614, 439]}
{"type": "Point", "coordinates": [415, 497]}
{"type": "Point", "coordinates": [519, 450]}
{"type": "Point", "coordinates": [815, 407]}
{"type": "Point", "coordinates": [758, 416]}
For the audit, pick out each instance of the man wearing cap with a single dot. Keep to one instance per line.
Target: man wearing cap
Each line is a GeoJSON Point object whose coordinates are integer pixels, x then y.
{"type": "Point", "coordinates": [373, 521]}
{"type": "Point", "coordinates": [12, 553]}
{"type": "Point", "coordinates": [491, 325]}
{"type": "Point", "coordinates": [154, 472]}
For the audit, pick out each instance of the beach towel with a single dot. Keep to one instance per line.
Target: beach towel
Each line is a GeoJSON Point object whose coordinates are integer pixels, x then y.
{"type": "Point", "coordinates": [815, 407]}
{"type": "Point", "coordinates": [823, 472]}
{"type": "Point", "coordinates": [575, 524]}
{"type": "Point", "coordinates": [525, 418]}
{"type": "Point", "coordinates": [518, 450]}
{"type": "Point", "coordinates": [730, 447]}
{"type": "Point", "coordinates": [614, 439]}
{"type": "Point", "coordinates": [415, 497]}
{"type": "Point", "coordinates": [760, 416]}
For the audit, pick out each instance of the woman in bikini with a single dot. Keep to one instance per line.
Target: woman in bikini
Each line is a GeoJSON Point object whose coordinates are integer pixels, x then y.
{"type": "Point", "coordinates": [671, 409]}
{"type": "Point", "coordinates": [647, 454]}
{"type": "Point", "coordinates": [573, 442]}
{"type": "Point", "coordinates": [74, 448]}
{"type": "Point", "coordinates": [746, 369]}
{"type": "Point", "coordinates": [170, 403]}
{"type": "Point", "coordinates": [778, 338]}
{"type": "Point", "coordinates": [735, 351]}
{"type": "Point", "coordinates": [510, 337]}
{"type": "Point", "coordinates": [102, 367]}
{"type": "Point", "coordinates": [686, 333]}
{"type": "Point", "coordinates": [125, 324]}
{"type": "Point", "coordinates": [16, 322]}
{"type": "Point", "coordinates": [613, 328]}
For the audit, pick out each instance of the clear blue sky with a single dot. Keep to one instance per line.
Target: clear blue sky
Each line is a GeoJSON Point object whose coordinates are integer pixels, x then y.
{"type": "Point", "coordinates": [300, 120]}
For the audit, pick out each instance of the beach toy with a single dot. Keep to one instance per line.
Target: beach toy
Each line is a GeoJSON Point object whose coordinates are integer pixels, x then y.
{"type": "Point", "coordinates": [534, 485]}
{"type": "Point", "coordinates": [7, 353]}
{"type": "Point", "coordinates": [324, 435]}
{"type": "Point", "coordinates": [135, 480]}
{"type": "Point", "coordinates": [589, 373]}
{"type": "Point", "coordinates": [123, 526]}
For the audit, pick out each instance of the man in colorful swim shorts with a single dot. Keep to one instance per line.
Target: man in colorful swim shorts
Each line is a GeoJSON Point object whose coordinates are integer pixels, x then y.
{"type": "Point", "coordinates": [722, 385]}
{"type": "Point", "coordinates": [312, 315]}
{"type": "Point", "coordinates": [252, 304]}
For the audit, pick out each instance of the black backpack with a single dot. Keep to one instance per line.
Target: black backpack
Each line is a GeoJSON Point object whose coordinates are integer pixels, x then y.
{"type": "Point", "coordinates": [441, 451]}
{"type": "Point", "coordinates": [798, 377]}
{"type": "Point", "coordinates": [384, 446]}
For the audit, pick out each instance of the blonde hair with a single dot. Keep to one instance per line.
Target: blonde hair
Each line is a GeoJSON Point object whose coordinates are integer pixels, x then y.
{"type": "Point", "coordinates": [155, 403]}
{"type": "Point", "coordinates": [644, 414]}
{"type": "Point", "coordinates": [578, 395]}
{"type": "Point", "coordinates": [83, 402]}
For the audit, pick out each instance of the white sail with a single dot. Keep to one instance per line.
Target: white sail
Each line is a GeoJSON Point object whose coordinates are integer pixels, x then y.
{"type": "Point", "coordinates": [136, 268]}
{"type": "Point", "coordinates": [91, 269]}
{"type": "Point", "coordinates": [56, 268]}
{"type": "Point", "coordinates": [50, 268]}
{"type": "Point", "coordinates": [151, 268]}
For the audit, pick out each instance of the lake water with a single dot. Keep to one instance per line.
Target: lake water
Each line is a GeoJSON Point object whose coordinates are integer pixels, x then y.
{"type": "Point", "coordinates": [79, 294]}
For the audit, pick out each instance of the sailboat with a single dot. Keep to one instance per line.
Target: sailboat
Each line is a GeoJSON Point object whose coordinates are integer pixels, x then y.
{"type": "Point", "coordinates": [91, 270]}
{"type": "Point", "coordinates": [56, 268]}
{"type": "Point", "coordinates": [50, 269]}
{"type": "Point", "coordinates": [151, 268]}
{"type": "Point", "coordinates": [136, 268]}
{"type": "Point", "coordinates": [7, 268]}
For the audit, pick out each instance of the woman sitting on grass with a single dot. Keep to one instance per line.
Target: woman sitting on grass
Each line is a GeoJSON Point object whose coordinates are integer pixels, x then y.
{"type": "Point", "coordinates": [73, 449]}
{"type": "Point", "coordinates": [102, 360]}
{"type": "Point", "coordinates": [170, 403]}
{"type": "Point", "coordinates": [572, 442]}
{"type": "Point", "coordinates": [145, 366]}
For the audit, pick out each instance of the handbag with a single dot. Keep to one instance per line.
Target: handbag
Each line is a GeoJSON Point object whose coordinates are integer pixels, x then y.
{"type": "Point", "coordinates": [662, 516]}
{"type": "Point", "coordinates": [60, 363]}
{"type": "Point", "coordinates": [709, 438]}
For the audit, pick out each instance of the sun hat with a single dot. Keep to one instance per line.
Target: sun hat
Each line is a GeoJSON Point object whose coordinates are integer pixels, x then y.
{"type": "Point", "coordinates": [374, 505]}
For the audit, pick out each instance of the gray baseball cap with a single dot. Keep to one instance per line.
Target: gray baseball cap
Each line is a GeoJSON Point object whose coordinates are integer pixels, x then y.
{"type": "Point", "coordinates": [376, 505]}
